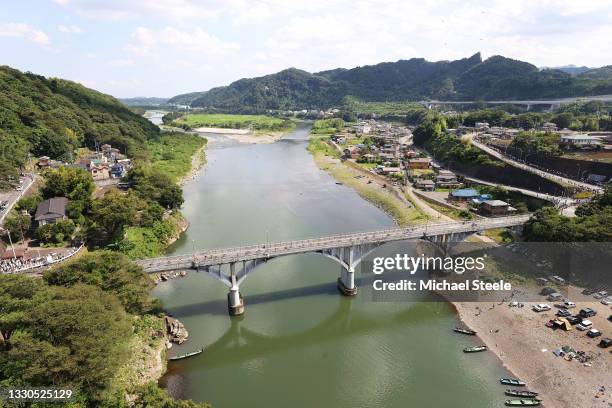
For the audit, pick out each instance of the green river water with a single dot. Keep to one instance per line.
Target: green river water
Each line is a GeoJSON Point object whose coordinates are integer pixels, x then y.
{"type": "Point", "coordinates": [300, 343]}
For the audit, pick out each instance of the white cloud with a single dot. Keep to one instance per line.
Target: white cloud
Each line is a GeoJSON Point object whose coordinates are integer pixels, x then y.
{"type": "Point", "coordinates": [149, 42]}
{"type": "Point", "coordinates": [69, 29]}
{"type": "Point", "coordinates": [24, 31]}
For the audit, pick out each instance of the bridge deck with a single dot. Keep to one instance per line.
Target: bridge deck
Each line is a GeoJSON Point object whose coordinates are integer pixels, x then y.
{"type": "Point", "coordinates": [219, 256]}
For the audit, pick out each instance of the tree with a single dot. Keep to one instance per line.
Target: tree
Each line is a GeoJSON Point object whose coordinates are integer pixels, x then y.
{"type": "Point", "coordinates": [9, 176]}
{"type": "Point", "coordinates": [156, 186]}
{"type": "Point", "coordinates": [56, 233]}
{"type": "Point", "coordinates": [112, 272]}
{"type": "Point", "coordinates": [29, 203]}
{"type": "Point", "coordinates": [149, 396]}
{"type": "Point", "coordinates": [18, 225]}
{"type": "Point", "coordinates": [74, 183]}
{"type": "Point", "coordinates": [65, 337]}
{"type": "Point", "coordinates": [110, 214]}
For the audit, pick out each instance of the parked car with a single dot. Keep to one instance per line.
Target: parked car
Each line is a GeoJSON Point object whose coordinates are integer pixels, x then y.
{"type": "Point", "coordinates": [563, 313]}
{"type": "Point", "coordinates": [555, 296]}
{"type": "Point", "coordinates": [593, 333]}
{"type": "Point", "coordinates": [587, 312]}
{"type": "Point", "coordinates": [574, 320]}
{"type": "Point", "coordinates": [547, 291]}
{"type": "Point", "coordinates": [601, 294]}
{"type": "Point", "coordinates": [569, 305]}
{"type": "Point", "coordinates": [541, 307]}
{"type": "Point", "coordinates": [584, 325]}
{"type": "Point", "coordinates": [557, 279]}
{"type": "Point", "coordinates": [588, 291]}
{"type": "Point", "coordinates": [605, 343]}
{"type": "Point", "coordinates": [607, 301]}
{"type": "Point", "coordinates": [542, 281]}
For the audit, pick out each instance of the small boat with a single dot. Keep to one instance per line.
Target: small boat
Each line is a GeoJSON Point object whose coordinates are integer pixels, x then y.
{"type": "Point", "coordinates": [522, 403]}
{"type": "Point", "coordinates": [464, 331]}
{"type": "Point", "coordinates": [511, 381]}
{"type": "Point", "coordinates": [339, 183]}
{"type": "Point", "coordinates": [182, 356]}
{"type": "Point", "coordinates": [475, 349]}
{"type": "Point", "coordinates": [521, 393]}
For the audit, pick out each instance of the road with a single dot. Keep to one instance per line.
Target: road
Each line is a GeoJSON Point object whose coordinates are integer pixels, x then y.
{"type": "Point", "coordinates": [549, 176]}
{"type": "Point", "coordinates": [13, 196]}
{"type": "Point", "coordinates": [220, 256]}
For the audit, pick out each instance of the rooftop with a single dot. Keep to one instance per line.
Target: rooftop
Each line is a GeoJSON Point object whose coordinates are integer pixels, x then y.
{"type": "Point", "coordinates": [52, 208]}
{"type": "Point", "coordinates": [465, 192]}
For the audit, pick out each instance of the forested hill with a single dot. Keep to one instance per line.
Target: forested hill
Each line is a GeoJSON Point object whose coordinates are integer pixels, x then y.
{"type": "Point", "coordinates": [52, 117]}
{"type": "Point", "coordinates": [415, 79]}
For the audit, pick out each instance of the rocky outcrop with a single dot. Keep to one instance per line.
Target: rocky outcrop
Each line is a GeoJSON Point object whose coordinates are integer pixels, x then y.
{"type": "Point", "coordinates": [175, 330]}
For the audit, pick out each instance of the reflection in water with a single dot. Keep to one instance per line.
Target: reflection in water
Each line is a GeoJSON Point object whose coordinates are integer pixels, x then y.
{"type": "Point", "coordinates": [300, 342]}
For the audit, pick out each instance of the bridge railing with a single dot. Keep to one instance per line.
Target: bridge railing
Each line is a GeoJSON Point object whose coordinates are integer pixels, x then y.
{"type": "Point", "coordinates": [346, 239]}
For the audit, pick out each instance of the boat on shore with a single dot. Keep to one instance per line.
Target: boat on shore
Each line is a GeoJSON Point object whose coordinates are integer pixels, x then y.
{"type": "Point", "coordinates": [464, 331]}
{"type": "Point", "coordinates": [512, 381]}
{"type": "Point", "coordinates": [475, 349]}
{"type": "Point", "coordinates": [522, 403]}
{"type": "Point", "coordinates": [521, 393]}
{"type": "Point", "coordinates": [187, 355]}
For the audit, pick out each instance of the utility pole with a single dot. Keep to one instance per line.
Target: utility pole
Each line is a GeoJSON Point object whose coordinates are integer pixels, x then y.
{"type": "Point", "coordinates": [11, 242]}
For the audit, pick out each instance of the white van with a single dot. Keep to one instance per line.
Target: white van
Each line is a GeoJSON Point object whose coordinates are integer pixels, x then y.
{"type": "Point", "coordinates": [569, 305]}
{"type": "Point", "coordinates": [555, 296]}
{"type": "Point", "coordinates": [584, 325]}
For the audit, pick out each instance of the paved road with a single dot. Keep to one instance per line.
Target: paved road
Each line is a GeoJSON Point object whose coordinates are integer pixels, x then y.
{"type": "Point", "coordinates": [252, 252]}
{"type": "Point", "coordinates": [13, 196]}
{"type": "Point", "coordinates": [549, 176]}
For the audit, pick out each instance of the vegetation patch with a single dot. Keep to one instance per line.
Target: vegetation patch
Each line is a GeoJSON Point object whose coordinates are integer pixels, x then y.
{"type": "Point", "coordinates": [214, 120]}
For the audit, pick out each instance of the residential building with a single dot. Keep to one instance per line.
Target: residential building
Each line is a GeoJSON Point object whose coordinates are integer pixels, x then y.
{"type": "Point", "coordinates": [481, 125]}
{"type": "Point", "coordinates": [425, 184]}
{"type": "Point", "coordinates": [581, 141]}
{"type": "Point", "coordinates": [548, 127]}
{"type": "Point", "coordinates": [419, 163]}
{"type": "Point", "coordinates": [463, 194]}
{"type": "Point", "coordinates": [446, 178]}
{"type": "Point", "coordinates": [51, 210]}
{"type": "Point", "coordinates": [496, 207]}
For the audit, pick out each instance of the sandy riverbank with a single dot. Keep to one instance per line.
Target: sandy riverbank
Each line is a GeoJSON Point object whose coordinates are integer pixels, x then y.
{"type": "Point", "coordinates": [519, 337]}
{"type": "Point", "coordinates": [243, 135]}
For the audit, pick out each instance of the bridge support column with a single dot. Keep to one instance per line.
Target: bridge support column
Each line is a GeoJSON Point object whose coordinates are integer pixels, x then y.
{"type": "Point", "coordinates": [235, 302]}
{"type": "Point", "coordinates": [346, 282]}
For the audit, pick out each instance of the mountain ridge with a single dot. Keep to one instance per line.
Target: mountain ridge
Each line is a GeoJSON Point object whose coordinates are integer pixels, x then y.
{"type": "Point", "coordinates": [470, 78]}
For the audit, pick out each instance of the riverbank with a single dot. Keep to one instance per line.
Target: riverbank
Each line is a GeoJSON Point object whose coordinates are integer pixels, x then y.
{"type": "Point", "coordinates": [520, 339]}
{"type": "Point", "coordinates": [383, 196]}
{"type": "Point", "coordinates": [244, 135]}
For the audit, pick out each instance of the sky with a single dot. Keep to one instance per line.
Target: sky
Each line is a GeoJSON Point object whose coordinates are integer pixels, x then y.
{"type": "Point", "coordinates": [162, 48]}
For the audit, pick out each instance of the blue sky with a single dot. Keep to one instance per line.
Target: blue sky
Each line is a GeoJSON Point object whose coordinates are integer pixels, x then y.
{"type": "Point", "coordinates": [166, 47]}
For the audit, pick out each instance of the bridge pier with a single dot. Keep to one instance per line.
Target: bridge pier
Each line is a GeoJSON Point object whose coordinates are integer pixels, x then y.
{"type": "Point", "coordinates": [235, 302]}
{"type": "Point", "coordinates": [346, 282]}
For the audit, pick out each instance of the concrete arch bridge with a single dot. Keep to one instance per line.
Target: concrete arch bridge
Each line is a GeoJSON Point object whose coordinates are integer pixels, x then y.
{"type": "Point", "coordinates": [348, 250]}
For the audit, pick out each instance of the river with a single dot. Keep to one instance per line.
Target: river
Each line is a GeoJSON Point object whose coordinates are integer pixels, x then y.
{"type": "Point", "coordinates": [300, 343]}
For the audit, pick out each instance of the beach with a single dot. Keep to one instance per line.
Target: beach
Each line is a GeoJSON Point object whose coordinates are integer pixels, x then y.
{"type": "Point", "coordinates": [519, 337]}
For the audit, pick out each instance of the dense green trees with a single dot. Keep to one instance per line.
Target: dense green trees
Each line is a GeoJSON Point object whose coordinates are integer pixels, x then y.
{"type": "Point", "coordinates": [404, 80]}
{"type": "Point", "coordinates": [52, 117]}
{"type": "Point", "coordinates": [112, 272]}
{"type": "Point", "coordinates": [58, 336]}
{"type": "Point", "coordinates": [74, 183]}
{"type": "Point", "coordinates": [18, 225]}
{"type": "Point", "coordinates": [545, 143]}
{"type": "Point", "coordinates": [153, 185]}
{"type": "Point", "coordinates": [593, 223]}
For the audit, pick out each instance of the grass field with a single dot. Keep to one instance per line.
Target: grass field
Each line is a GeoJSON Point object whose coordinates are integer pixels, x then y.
{"type": "Point", "coordinates": [172, 153]}
{"type": "Point", "coordinates": [255, 122]}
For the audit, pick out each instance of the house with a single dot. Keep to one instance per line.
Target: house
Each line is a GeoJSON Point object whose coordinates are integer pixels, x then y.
{"type": "Point", "coordinates": [351, 152]}
{"type": "Point", "coordinates": [581, 141]}
{"type": "Point", "coordinates": [117, 170]}
{"type": "Point", "coordinates": [463, 194]}
{"type": "Point", "coordinates": [496, 207]}
{"type": "Point", "coordinates": [481, 125]}
{"type": "Point", "coordinates": [389, 170]}
{"type": "Point", "coordinates": [446, 178]}
{"type": "Point", "coordinates": [548, 127]}
{"type": "Point", "coordinates": [419, 163]}
{"type": "Point", "coordinates": [99, 172]}
{"type": "Point", "coordinates": [51, 210]}
{"type": "Point", "coordinates": [425, 184]}
{"type": "Point", "coordinates": [10, 253]}
{"type": "Point", "coordinates": [44, 162]}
